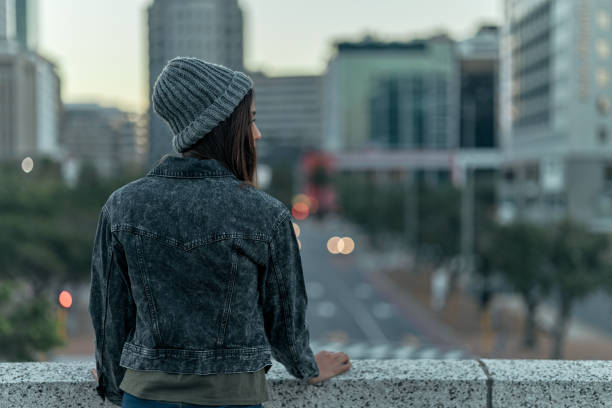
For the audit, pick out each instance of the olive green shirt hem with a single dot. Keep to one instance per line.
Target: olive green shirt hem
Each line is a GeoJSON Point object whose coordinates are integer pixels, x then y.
{"type": "Point", "coordinates": [248, 388]}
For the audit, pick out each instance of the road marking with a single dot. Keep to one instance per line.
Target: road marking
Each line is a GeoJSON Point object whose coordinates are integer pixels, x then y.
{"type": "Point", "coordinates": [356, 350]}
{"type": "Point", "coordinates": [378, 351]}
{"type": "Point", "coordinates": [326, 309]}
{"type": "Point", "coordinates": [428, 353]}
{"type": "Point", "coordinates": [454, 355]}
{"type": "Point", "coordinates": [314, 289]}
{"type": "Point", "coordinates": [404, 352]}
{"type": "Point", "coordinates": [382, 310]}
{"type": "Point", "coordinates": [363, 291]}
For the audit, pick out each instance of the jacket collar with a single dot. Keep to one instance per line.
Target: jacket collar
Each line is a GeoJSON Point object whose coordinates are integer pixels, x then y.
{"type": "Point", "coordinates": [189, 167]}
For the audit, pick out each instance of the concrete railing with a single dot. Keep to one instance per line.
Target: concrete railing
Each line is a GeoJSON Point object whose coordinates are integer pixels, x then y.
{"type": "Point", "coordinates": [369, 383]}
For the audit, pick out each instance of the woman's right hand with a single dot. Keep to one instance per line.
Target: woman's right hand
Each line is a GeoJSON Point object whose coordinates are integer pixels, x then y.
{"type": "Point", "coordinates": [330, 365]}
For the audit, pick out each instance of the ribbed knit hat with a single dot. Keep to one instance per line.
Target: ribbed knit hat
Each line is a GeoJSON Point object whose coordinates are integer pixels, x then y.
{"type": "Point", "coordinates": [193, 96]}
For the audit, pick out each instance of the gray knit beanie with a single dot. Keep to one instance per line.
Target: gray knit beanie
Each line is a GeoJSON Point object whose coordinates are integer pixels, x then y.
{"type": "Point", "coordinates": [193, 96]}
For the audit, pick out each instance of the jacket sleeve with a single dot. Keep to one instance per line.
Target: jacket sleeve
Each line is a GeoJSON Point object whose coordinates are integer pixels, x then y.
{"type": "Point", "coordinates": [111, 308]}
{"type": "Point", "coordinates": [285, 302]}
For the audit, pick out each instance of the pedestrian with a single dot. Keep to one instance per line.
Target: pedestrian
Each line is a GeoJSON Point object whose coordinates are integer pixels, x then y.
{"type": "Point", "coordinates": [196, 276]}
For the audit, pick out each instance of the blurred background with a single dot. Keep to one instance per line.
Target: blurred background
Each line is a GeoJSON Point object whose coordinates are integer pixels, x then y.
{"type": "Point", "coordinates": [448, 164]}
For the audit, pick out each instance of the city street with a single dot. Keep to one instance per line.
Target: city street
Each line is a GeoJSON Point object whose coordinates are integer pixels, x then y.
{"type": "Point", "coordinates": [350, 307]}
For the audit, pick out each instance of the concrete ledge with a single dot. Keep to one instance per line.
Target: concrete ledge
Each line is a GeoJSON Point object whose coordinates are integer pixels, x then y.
{"type": "Point", "coordinates": [550, 383]}
{"type": "Point", "coordinates": [370, 383]}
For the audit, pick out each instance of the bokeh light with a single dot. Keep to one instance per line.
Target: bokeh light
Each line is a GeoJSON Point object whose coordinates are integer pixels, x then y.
{"type": "Point", "coordinates": [337, 245]}
{"type": "Point", "coordinates": [65, 299]}
{"type": "Point", "coordinates": [299, 211]}
{"type": "Point", "coordinates": [332, 244]}
{"type": "Point", "coordinates": [311, 202]}
{"type": "Point", "coordinates": [348, 245]}
{"type": "Point", "coordinates": [27, 164]}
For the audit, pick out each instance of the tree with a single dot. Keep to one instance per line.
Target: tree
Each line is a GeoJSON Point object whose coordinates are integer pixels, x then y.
{"type": "Point", "coordinates": [579, 268]}
{"type": "Point", "coordinates": [26, 326]}
{"type": "Point", "coordinates": [46, 241]}
{"type": "Point", "coordinates": [519, 252]}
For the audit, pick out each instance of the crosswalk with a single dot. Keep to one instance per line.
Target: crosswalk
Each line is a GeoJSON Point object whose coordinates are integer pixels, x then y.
{"type": "Point", "coordinates": [365, 350]}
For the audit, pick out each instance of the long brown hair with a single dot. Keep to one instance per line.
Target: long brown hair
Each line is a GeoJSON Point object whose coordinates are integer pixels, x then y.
{"type": "Point", "coordinates": [231, 142]}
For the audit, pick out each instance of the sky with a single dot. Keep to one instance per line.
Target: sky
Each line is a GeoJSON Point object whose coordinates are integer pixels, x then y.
{"type": "Point", "coordinates": [100, 50]}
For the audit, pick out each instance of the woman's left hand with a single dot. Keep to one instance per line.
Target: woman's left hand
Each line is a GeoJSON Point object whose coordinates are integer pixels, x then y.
{"type": "Point", "coordinates": [94, 373]}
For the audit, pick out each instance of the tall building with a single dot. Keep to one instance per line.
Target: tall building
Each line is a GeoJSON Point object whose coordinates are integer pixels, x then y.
{"type": "Point", "coordinates": [26, 23]}
{"type": "Point", "coordinates": [19, 23]}
{"type": "Point", "coordinates": [106, 137]}
{"type": "Point", "coordinates": [392, 95]}
{"type": "Point", "coordinates": [207, 29]}
{"type": "Point", "coordinates": [289, 113]}
{"type": "Point", "coordinates": [30, 105]}
{"type": "Point", "coordinates": [3, 20]}
{"type": "Point", "coordinates": [556, 117]}
{"type": "Point", "coordinates": [479, 105]}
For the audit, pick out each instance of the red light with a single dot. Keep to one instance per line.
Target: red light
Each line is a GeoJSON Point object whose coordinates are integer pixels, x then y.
{"type": "Point", "coordinates": [65, 299]}
{"type": "Point", "coordinates": [299, 211]}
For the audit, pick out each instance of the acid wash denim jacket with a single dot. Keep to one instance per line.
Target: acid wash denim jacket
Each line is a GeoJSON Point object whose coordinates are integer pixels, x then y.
{"type": "Point", "coordinates": [195, 272]}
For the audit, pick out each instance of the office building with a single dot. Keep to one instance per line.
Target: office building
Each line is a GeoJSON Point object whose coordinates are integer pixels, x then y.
{"type": "Point", "coordinates": [30, 106]}
{"type": "Point", "coordinates": [106, 137]}
{"type": "Point", "coordinates": [207, 29]}
{"type": "Point", "coordinates": [392, 95]}
{"type": "Point", "coordinates": [556, 113]}
{"type": "Point", "coordinates": [289, 113]}
{"type": "Point", "coordinates": [19, 23]}
{"type": "Point", "coordinates": [479, 101]}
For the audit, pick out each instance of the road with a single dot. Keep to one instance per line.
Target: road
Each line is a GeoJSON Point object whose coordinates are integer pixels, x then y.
{"type": "Point", "coordinates": [347, 312]}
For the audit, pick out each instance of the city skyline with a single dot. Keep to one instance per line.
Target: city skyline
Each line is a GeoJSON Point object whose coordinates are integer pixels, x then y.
{"type": "Point", "coordinates": [303, 48]}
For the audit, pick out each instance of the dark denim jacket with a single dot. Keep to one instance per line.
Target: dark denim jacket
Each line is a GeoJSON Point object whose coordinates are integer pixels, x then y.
{"type": "Point", "coordinates": [195, 272]}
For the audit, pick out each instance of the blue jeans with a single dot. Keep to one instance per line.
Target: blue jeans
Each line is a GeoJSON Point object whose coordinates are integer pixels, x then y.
{"type": "Point", "coordinates": [132, 401]}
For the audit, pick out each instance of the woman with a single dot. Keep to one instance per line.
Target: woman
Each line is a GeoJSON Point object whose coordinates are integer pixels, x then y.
{"type": "Point", "coordinates": [196, 274]}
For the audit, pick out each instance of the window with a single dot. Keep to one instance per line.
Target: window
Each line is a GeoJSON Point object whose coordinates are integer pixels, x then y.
{"type": "Point", "coordinates": [602, 135]}
{"type": "Point", "coordinates": [603, 77]}
{"type": "Point", "coordinates": [603, 49]}
{"type": "Point", "coordinates": [603, 105]}
{"type": "Point", "coordinates": [608, 173]}
{"type": "Point", "coordinates": [603, 20]}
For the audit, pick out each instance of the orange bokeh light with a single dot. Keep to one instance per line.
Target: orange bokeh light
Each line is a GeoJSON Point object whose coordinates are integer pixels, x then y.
{"type": "Point", "coordinates": [299, 211]}
{"type": "Point", "coordinates": [65, 299]}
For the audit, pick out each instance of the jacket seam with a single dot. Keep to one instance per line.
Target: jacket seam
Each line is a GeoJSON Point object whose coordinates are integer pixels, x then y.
{"type": "Point", "coordinates": [188, 176]}
{"type": "Point", "coordinates": [190, 245]}
{"type": "Point", "coordinates": [228, 298]}
{"type": "Point", "coordinates": [106, 280]}
{"type": "Point", "coordinates": [283, 215]}
{"type": "Point", "coordinates": [147, 290]}
{"type": "Point", "coordinates": [200, 353]}
{"type": "Point", "coordinates": [283, 295]}
{"type": "Point", "coordinates": [106, 212]}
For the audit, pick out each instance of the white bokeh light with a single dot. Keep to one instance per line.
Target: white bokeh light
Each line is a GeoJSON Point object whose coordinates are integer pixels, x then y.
{"type": "Point", "coordinates": [27, 164]}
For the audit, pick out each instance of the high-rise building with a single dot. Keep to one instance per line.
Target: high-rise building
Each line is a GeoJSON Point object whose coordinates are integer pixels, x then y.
{"type": "Point", "coordinates": [289, 113]}
{"type": "Point", "coordinates": [106, 137]}
{"type": "Point", "coordinates": [478, 64]}
{"type": "Point", "coordinates": [556, 109]}
{"type": "Point", "coordinates": [3, 20]}
{"type": "Point", "coordinates": [19, 23]}
{"type": "Point", "coordinates": [26, 23]}
{"type": "Point", "coordinates": [30, 106]}
{"type": "Point", "coordinates": [392, 95]}
{"type": "Point", "coordinates": [207, 29]}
